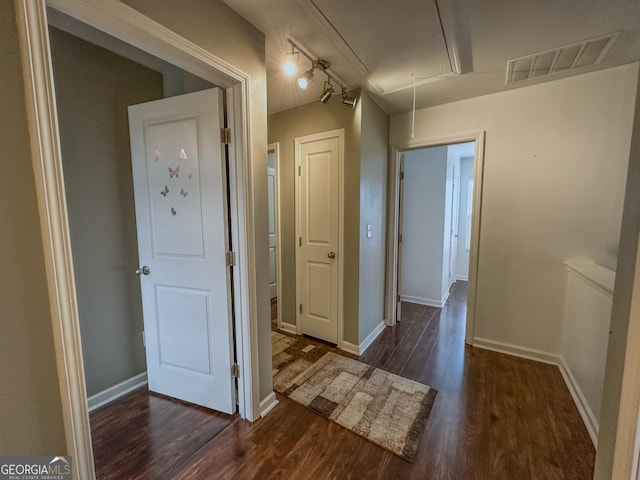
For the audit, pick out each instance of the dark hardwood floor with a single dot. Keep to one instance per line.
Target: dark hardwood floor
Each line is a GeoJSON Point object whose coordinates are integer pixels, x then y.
{"type": "Point", "coordinates": [495, 417]}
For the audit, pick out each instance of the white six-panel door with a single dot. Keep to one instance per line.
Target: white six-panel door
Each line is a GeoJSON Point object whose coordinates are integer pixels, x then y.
{"type": "Point", "coordinates": [180, 196]}
{"type": "Point", "coordinates": [319, 160]}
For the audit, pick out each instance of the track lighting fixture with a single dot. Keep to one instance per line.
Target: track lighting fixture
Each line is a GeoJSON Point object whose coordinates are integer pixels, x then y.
{"type": "Point", "coordinates": [348, 100]}
{"type": "Point", "coordinates": [291, 61]}
{"type": "Point", "coordinates": [305, 79]}
{"type": "Point", "coordinates": [327, 93]}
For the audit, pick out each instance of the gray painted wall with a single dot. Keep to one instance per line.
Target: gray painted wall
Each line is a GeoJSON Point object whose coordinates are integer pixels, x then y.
{"type": "Point", "coordinates": [374, 147]}
{"type": "Point", "coordinates": [31, 414]}
{"type": "Point", "coordinates": [94, 88]}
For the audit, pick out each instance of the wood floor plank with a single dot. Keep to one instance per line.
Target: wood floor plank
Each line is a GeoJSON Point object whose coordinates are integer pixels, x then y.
{"type": "Point", "coordinates": [496, 417]}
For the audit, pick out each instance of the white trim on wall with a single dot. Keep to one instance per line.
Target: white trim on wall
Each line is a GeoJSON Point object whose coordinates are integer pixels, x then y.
{"type": "Point", "coordinates": [429, 302]}
{"type": "Point", "coordinates": [375, 333]}
{"type": "Point", "coordinates": [392, 222]}
{"type": "Point", "coordinates": [110, 394]}
{"type": "Point", "coordinates": [588, 418]}
{"type": "Point", "coordinates": [276, 152]}
{"type": "Point", "coordinates": [125, 23]}
{"type": "Point", "coordinates": [268, 404]}
{"type": "Point", "coordinates": [366, 343]}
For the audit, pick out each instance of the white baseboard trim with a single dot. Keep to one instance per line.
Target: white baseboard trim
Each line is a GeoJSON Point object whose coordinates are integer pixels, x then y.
{"type": "Point", "coordinates": [286, 327]}
{"type": "Point", "coordinates": [584, 409]}
{"type": "Point", "coordinates": [366, 343]}
{"type": "Point", "coordinates": [430, 302]}
{"type": "Point", "coordinates": [350, 347]}
{"type": "Point", "coordinates": [268, 403]}
{"type": "Point", "coordinates": [580, 402]}
{"type": "Point", "coordinates": [462, 278]}
{"type": "Point", "coordinates": [117, 391]}
{"type": "Point", "coordinates": [517, 351]}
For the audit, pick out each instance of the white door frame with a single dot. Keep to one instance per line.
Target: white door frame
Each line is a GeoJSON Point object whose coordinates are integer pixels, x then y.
{"type": "Point", "coordinates": [340, 257]}
{"type": "Point", "coordinates": [129, 25]}
{"type": "Point", "coordinates": [275, 147]}
{"type": "Point", "coordinates": [392, 222]}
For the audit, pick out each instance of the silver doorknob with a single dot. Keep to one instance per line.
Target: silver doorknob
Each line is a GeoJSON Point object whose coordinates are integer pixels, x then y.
{"type": "Point", "coordinates": [143, 271]}
{"type": "Point", "coordinates": [331, 254]}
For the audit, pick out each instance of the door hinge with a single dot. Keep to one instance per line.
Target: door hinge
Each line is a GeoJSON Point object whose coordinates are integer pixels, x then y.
{"type": "Point", "coordinates": [397, 298]}
{"type": "Point", "coordinates": [300, 308]}
{"type": "Point", "coordinates": [299, 170]}
{"type": "Point", "coordinates": [231, 259]}
{"type": "Point", "coordinates": [235, 370]}
{"type": "Point", "coordinates": [400, 238]}
{"type": "Point", "coordinates": [299, 241]}
{"type": "Point", "coordinates": [225, 135]}
{"type": "Point", "coordinates": [401, 175]}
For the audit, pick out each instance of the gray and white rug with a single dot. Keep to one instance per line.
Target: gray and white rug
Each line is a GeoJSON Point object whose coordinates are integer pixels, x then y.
{"type": "Point", "coordinates": [386, 409]}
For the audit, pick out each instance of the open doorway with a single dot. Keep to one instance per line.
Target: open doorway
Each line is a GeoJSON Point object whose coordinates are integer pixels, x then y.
{"type": "Point", "coordinates": [450, 266]}
{"type": "Point", "coordinates": [176, 228]}
{"type": "Point", "coordinates": [124, 23]}
{"type": "Point", "coordinates": [436, 196]}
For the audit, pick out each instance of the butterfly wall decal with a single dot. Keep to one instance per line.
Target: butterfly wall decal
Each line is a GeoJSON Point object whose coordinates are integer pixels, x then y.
{"type": "Point", "coordinates": [173, 211]}
{"type": "Point", "coordinates": [183, 193]}
{"type": "Point", "coordinates": [157, 155]}
{"type": "Point", "coordinates": [165, 191]}
{"type": "Point", "coordinates": [183, 154]}
{"type": "Point", "coordinates": [174, 172]}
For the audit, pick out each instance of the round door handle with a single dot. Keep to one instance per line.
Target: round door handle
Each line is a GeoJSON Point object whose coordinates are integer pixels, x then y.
{"type": "Point", "coordinates": [331, 254]}
{"type": "Point", "coordinates": [143, 271]}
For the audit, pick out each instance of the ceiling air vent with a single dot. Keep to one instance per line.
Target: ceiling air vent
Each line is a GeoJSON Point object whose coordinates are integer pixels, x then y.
{"type": "Point", "coordinates": [559, 60]}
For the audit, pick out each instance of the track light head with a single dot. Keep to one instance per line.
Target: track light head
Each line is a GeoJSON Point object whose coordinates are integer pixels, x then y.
{"type": "Point", "coordinates": [348, 100]}
{"type": "Point", "coordinates": [327, 93]}
{"type": "Point", "coordinates": [305, 79]}
{"type": "Point", "coordinates": [291, 61]}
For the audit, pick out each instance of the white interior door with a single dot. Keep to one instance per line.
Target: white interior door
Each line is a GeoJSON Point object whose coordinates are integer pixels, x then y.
{"type": "Point", "coordinates": [319, 161]}
{"type": "Point", "coordinates": [273, 276]}
{"type": "Point", "coordinates": [179, 179]}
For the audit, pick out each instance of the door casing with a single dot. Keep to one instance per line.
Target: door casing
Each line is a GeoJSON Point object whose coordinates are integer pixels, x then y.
{"type": "Point", "coordinates": [340, 254]}
{"type": "Point", "coordinates": [130, 26]}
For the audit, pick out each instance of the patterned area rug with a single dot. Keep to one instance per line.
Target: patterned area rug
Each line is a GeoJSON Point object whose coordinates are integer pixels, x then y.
{"type": "Point", "coordinates": [386, 409]}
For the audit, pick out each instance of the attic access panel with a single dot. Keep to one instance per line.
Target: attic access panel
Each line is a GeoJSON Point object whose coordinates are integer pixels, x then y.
{"type": "Point", "coordinates": [389, 41]}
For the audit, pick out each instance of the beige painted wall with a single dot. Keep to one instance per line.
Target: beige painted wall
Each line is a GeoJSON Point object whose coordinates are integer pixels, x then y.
{"type": "Point", "coordinates": [374, 154]}
{"type": "Point", "coordinates": [626, 275]}
{"type": "Point", "coordinates": [93, 89]}
{"type": "Point", "coordinates": [214, 26]}
{"type": "Point", "coordinates": [556, 158]}
{"type": "Point", "coordinates": [285, 127]}
{"type": "Point", "coordinates": [30, 411]}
